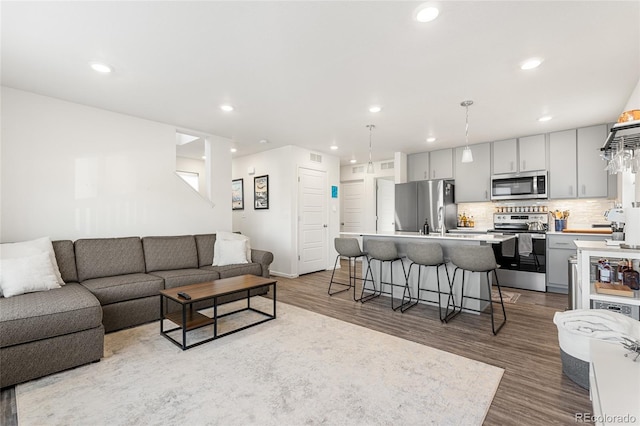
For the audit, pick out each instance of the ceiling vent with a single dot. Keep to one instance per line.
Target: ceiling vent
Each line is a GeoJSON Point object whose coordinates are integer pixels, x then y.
{"type": "Point", "coordinates": [316, 158]}
{"type": "Point", "coordinates": [387, 165]}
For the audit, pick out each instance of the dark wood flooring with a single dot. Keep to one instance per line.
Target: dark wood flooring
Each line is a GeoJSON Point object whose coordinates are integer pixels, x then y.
{"type": "Point", "coordinates": [533, 390]}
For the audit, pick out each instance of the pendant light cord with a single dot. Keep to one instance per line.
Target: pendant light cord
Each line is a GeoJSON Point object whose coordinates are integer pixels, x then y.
{"type": "Point", "coordinates": [466, 129]}
{"type": "Point", "coordinates": [371, 127]}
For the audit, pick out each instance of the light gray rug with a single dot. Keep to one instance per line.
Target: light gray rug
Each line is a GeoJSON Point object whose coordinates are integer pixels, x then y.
{"type": "Point", "coordinates": [302, 368]}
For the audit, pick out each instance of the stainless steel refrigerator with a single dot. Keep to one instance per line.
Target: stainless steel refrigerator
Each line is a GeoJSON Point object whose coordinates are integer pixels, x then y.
{"type": "Point", "coordinates": [431, 200]}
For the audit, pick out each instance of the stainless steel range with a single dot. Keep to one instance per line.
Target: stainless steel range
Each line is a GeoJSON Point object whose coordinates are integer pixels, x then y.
{"type": "Point", "coordinates": [522, 260]}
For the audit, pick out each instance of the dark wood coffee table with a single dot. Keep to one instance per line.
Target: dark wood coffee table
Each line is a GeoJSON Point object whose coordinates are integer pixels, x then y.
{"type": "Point", "coordinates": [189, 319]}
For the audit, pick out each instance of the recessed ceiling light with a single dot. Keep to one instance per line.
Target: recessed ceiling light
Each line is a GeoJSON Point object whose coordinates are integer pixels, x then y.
{"type": "Point", "coordinates": [427, 14]}
{"type": "Point", "coordinates": [431, 139]}
{"type": "Point", "coordinates": [99, 67]}
{"type": "Point", "coordinates": [204, 157]}
{"type": "Point", "coordinates": [375, 108]}
{"type": "Point", "coordinates": [227, 108]}
{"type": "Point", "coordinates": [263, 141]}
{"type": "Point", "coordinates": [530, 64]}
{"type": "Point", "coordinates": [353, 161]}
{"type": "Point", "coordinates": [234, 150]}
{"type": "Point", "coordinates": [545, 118]}
{"type": "Point", "coordinates": [334, 147]}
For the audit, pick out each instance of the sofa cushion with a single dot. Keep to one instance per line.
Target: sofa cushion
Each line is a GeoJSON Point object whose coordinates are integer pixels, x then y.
{"type": "Point", "coordinates": [27, 274]}
{"type": "Point", "coordinates": [169, 253]}
{"type": "Point", "coordinates": [35, 316]}
{"type": "Point", "coordinates": [107, 257]}
{"type": "Point", "coordinates": [180, 277]}
{"type": "Point", "coordinates": [66, 258]}
{"type": "Point", "coordinates": [204, 244]}
{"type": "Point", "coordinates": [124, 287]}
{"type": "Point", "coordinates": [237, 269]}
{"type": "Point", "coordinates": [30, 248]}
{"type": "Point", "coordinates": [230, 252]}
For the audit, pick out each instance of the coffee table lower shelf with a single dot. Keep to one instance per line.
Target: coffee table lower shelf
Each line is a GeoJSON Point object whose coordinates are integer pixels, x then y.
{"type": "Point", "coordinates": [188, 319]}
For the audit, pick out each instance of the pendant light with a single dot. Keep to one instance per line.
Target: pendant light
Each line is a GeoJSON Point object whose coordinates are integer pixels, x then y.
{"type": "Point", "coordinates": [467, 156]}
{"type": "Point", "coordinates": [370, 165]}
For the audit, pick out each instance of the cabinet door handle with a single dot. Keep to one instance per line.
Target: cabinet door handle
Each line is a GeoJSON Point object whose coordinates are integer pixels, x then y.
{"type": "Point", "coordinates": [425, 174]}
{"type": "Point", "coordinates": [570, 189]}
{"type": "Point", "coordinates": [486, 194]}
{"type": "Point", "coordinates": [584, 189]}
{"type": "Point", "coordinates": [511, 166]}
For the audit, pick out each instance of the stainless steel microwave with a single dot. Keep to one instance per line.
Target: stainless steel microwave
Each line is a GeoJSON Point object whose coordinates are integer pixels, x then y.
{"type": "Point", "coordinates": [519, 186]}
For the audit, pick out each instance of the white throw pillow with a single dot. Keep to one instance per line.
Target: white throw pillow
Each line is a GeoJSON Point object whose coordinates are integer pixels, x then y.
{"type": "Point", "coordinates": [29, 248]}
{"type": "Point", "coordinates": [230, 252]}
{"type": "Point", "coordinates": [27, 274]}
{"type": "Point", "coordinates": [230, 236]}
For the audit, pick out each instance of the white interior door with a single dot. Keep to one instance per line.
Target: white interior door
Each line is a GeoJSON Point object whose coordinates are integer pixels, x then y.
{"type": "Point", "coordinates": [385, 205]}
{"type": "Point", "coordinates": [352, 210]}
{"type": "Point", "coordinates": [312, 220]}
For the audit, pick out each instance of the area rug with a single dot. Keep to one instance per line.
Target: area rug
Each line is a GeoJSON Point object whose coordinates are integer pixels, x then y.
{"type": "Point", "coordinates": [302, 368]}
{"type": "Point", "coordinates": [507, 296]}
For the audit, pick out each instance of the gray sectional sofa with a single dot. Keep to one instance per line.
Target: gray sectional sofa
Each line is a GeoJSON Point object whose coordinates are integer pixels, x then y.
{"type": "Point", "coordinates": [111, 283]}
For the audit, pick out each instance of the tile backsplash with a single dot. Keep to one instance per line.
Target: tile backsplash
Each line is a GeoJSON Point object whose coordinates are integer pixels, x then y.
{"type": "Point", "coordinates": [582, 212]}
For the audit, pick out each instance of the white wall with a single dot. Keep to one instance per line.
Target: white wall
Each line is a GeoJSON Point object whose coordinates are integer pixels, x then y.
{"type": "Point", "coordinates": [184, 164]}
{"type": "Point", "coordinates": [70, 171]}
{"type": "Point", "coordinates": [634, 99]}
{"type": "Point", "coordinates": [276, 229]}
{"type": "Point", "coordinates": [347, 174]}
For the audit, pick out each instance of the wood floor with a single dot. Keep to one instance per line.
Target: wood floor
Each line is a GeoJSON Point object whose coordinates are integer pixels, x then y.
{"type": "Point", "coordinates": [533, 390]}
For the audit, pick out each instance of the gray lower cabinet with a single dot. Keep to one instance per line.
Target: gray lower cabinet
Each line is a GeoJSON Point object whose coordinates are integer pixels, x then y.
{"type": "Point", "coordinates": [559, 248]}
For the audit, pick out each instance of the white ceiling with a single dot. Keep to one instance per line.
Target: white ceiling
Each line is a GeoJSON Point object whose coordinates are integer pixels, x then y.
{"type": "Point", "coordinates": [305, 73]}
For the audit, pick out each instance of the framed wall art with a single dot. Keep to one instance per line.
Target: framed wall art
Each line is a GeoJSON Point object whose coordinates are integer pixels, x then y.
{"type": "Point", "coordinates": [261, 192]}
{"type": "Point", "coordinates": [237, 194]}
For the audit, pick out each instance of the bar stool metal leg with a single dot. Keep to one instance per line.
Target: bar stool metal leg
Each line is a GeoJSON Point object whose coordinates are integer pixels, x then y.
{"type": "Point", "coordinates": [373, 282]}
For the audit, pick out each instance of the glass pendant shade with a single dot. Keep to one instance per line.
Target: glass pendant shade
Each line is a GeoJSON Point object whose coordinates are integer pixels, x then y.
{"type": "Point", "coordinates": [370, 167]}
{"type": "Point", "coordinates": [467, 155]}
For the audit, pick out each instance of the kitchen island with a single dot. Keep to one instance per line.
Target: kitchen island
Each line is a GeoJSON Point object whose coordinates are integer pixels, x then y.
{"type": "Point", "coordinates": [476, 283]}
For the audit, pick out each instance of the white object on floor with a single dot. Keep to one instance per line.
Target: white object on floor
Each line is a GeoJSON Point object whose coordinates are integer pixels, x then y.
{"type": "Point", "coordinates": [578, 327]}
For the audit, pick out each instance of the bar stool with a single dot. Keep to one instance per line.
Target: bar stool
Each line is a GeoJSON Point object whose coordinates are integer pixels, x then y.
{"type": "Point", "coordinates": [427, 255]}
{"type": "Point", "coordinates": [349, 248]}
{"type": "Point", "coordinates": [382, 251]}
{"type": "Point", "coordinates": [474, 259]}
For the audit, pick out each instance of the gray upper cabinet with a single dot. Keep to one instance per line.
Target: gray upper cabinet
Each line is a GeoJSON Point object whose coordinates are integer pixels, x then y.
{"type": "Point", "coordinates": [520, 155]}
{"type": "Point", "coordinates": [505, 156]}
{"type": "Point", "coordinates": [418, 166]}
{"type": "Point", "coordinates": [441, 164]}
{"type": "Point", "coordinates": [592, 177]}
{"type": "Point", "coordinates": [533, 153]}
{"type": "Point", "coordinates": [562, 164]}
{"type": "Point", "coordinates": [473, 180]}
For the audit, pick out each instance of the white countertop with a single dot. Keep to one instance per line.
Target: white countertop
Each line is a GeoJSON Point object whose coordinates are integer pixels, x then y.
{"type": "Point", "coordinates": [579, 234]}
{"type": "Point", "coordinates": [602, 246]}
{"type": "Point", "coordinates": [487, 238]}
